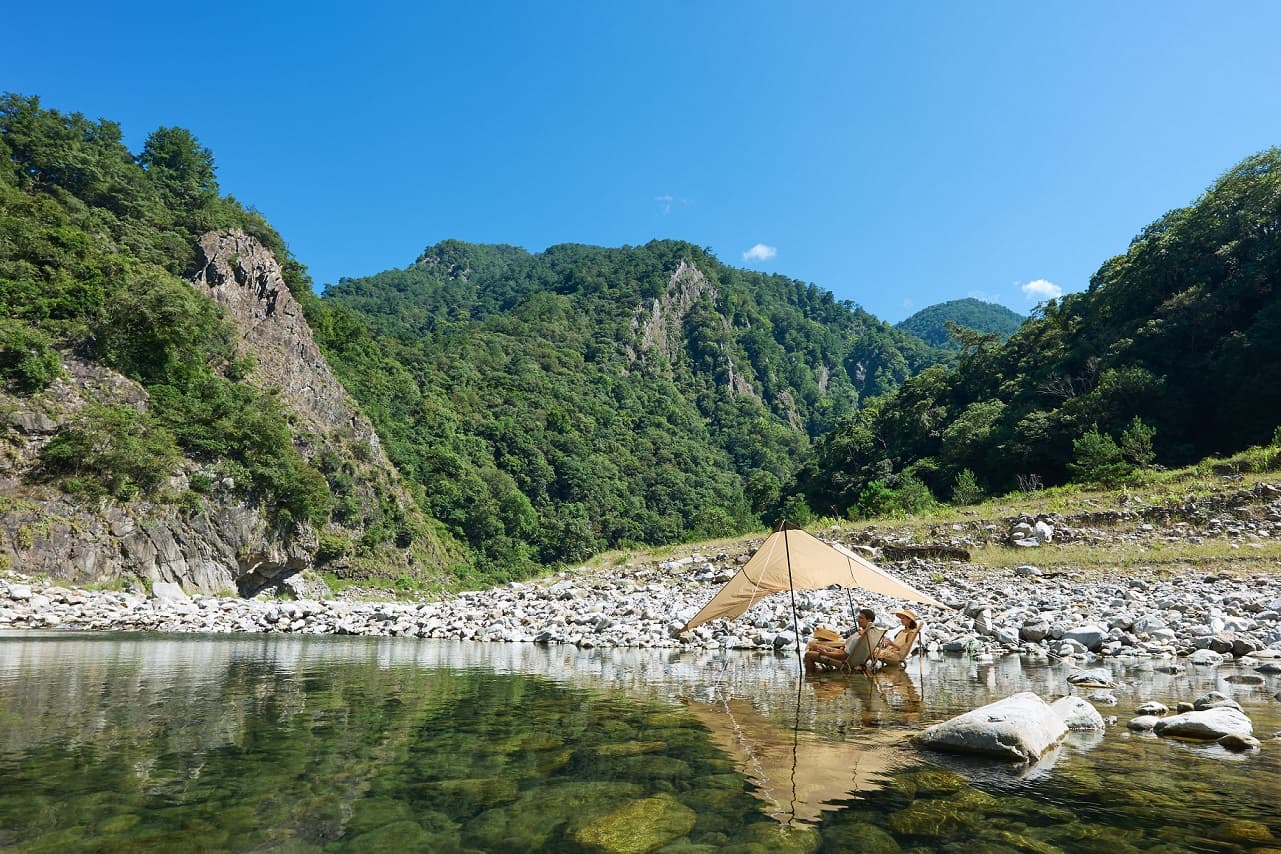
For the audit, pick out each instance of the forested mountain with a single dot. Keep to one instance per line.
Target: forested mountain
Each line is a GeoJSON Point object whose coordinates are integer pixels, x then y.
{"type": "Point", "coordinates": [542, 406]}
{"type": "Point", "coordinates": [931, 324]}
{"type": "Point", "coordinates": [555, 404]}
{"type": "Point", "coordinates": [142, 427]}
{"type": "Point", "coordinates": [1172, 354]}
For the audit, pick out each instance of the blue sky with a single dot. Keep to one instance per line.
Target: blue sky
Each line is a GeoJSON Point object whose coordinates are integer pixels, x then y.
{"type": "Point", "coordinates": [897, 154]}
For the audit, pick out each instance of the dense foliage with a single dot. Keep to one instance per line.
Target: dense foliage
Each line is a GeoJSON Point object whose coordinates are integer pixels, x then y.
{"type": "Point", "coordinates": [555, 404]}
{"type": "Point", "coordinates": [92, 243]}
{"type": "Point", "coordinates": [933, 325]}
{"type": "Point", "coordinates": [1171, 355]}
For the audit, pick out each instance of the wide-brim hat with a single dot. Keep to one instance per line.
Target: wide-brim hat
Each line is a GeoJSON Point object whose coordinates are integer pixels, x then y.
{"type": "Point", "coordinates": [906, 612]}
{"type": "Point", "coordinates": [823, 633]}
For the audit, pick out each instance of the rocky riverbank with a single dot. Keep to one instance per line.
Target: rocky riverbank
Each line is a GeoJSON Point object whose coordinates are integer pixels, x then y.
{"type": "Point", "coordinates": [990, 612]}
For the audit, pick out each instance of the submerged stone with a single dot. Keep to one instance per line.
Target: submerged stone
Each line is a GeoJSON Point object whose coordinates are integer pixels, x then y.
{"type": "Point", "coordinates": [935, 818]}
{"type": "Point", "coordinates": [1242, 832]}
{"type": "Point", "coordinates": [932, 783]}
{"type": "Point", "coordinates": [466, 797]}
{"type": "Point", "coordinates": [1098, 677]}
{"type": "Point", "coordinates": [1239, 743]}
{"type": "Point", "coordinates": [783, 839]}
{"type": "Point", "coordinates": [637, 827]}
{"type": "Point", "coordinates": [1143, 723]}
{"type": "Point", "coordinates": [630, 748]}
{"type": "Point", "coordinates": [861, 837]}
{"type": "Point", "coordinates": [397, 836]}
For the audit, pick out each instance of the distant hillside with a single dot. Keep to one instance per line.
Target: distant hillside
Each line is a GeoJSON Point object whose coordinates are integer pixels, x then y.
{"type": "Point", "coordinates": [930, 324]}
{"type": "Point", "coordinates": [1170, 356]}
{"type": "Point", "coordinates": [552, 405]}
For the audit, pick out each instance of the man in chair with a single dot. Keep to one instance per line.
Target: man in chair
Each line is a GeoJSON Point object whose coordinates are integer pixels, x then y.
{"type": "Point", "coordinates": [835, 654]}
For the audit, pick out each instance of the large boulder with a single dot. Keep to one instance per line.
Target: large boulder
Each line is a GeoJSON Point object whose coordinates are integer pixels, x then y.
{"type": "Point", "coordinates": [1091, 637]}
{"type": "Point", "coordinates": [1208, 725]}
{"type": "Point", "coordinates": [1078, 714]}
{"type": "Point", "coordinates": [1022, 727]}
{"type": "Point", "coordinates": [1098, 677]}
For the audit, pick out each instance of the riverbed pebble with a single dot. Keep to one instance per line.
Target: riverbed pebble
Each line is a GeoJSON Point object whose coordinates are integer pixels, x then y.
{"type": "Point", "coordinates": [1084, 619]}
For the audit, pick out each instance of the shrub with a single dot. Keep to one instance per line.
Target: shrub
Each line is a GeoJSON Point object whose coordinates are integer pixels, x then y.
{"type": "Point", "coordinates": [27, 361]}
{"type": "Point", "coordinates": [111, 450]}
{"type": "Point", "coordinates": [966, 489]}
{"type": "Point", "coordinates": [332, 547]}
{"type": "Point", "coordinates": [911, 495]}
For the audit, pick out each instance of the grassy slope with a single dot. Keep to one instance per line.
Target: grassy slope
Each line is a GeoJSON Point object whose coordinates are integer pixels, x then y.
{"type": "Point", "coordinates": [1118, 548]}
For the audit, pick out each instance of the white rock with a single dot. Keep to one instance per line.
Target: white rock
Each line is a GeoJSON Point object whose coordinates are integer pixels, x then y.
{"type": "Point", "coordinates": [1205, 657]}
{"type": "Point", "coordinates": [1021, 727]}
{"type": "Point", "coordinates": [168, 591]}
{"type": "Point", "coordinates": [1206, 725]}
{"type": "Point", "coordinates": [1077, 713]}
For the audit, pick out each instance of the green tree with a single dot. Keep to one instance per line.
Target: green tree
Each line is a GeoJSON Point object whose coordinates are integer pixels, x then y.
{"type": "Point", "coordinates": [1097, 459]}
{"type": "Point", "coordinates": [180, 167]}
{"type": "Point", "coordinates": [1137, 443]}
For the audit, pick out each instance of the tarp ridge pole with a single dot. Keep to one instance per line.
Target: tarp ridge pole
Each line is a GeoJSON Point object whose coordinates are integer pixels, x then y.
{"type": "Point", "coordinates": [791, 590]}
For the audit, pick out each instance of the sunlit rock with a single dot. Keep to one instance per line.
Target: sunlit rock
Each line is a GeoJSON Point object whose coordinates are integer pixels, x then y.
{"type": "Point", "coordinates": [1207, 725]}
{"type": "Point", "coordinates": [1021, 727]}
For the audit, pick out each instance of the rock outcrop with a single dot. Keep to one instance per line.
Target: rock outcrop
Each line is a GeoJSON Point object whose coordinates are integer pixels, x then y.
{"type": "Point", "coordinates": [241, 275]}
{"type": "Point", "coordinates": [225, 542]}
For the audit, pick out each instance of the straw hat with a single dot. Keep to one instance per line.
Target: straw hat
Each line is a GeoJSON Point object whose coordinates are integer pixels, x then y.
{"type": "Point", "coordinates": [823, 633]}
{"type": "Point", "coordinates": [907, 612]}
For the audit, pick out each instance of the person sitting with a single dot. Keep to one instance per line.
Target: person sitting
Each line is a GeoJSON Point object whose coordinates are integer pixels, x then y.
{"type": "Point", "coordinates": [833, 652]}
{"type": "Point", "coordinates": [896, 649]}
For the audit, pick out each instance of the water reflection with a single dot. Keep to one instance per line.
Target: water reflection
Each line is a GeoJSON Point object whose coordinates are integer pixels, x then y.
{"type": "Point", "coordinates": [149, 742]}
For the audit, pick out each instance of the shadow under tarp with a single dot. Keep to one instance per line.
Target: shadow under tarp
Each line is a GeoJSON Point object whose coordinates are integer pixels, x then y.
{"type": "Point", "coordinates": [797, 773]}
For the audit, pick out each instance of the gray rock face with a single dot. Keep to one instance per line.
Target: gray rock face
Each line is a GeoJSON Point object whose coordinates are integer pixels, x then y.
{"type": "Point", "coordinates": [243, 276]}
{"type": "Point", "coordinates": [1208, 725]}
{"type": "Point", "coordinates": [1152, 707]}
{"type": "Point", "coordinates": [1143, 723]}
{"type": "Point", "coordinates": [1022, 728]}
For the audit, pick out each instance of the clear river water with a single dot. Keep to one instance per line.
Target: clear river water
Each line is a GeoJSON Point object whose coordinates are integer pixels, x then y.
{"type": "Point", "coordinates": [129, 743]}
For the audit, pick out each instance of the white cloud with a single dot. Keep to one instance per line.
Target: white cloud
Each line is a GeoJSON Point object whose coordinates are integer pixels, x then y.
{"type": "Point", "coordinates": [984, 296]}
{"type": "Point", "coordinates": [760, 252]}
{"type": "Point", "coordinates": [665, 202]}
{"type": "Point", "coordinates": [1042, 289]}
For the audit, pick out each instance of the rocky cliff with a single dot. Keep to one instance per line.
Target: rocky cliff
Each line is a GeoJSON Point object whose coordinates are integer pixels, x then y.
{"type": "Point", "coordinates": [221, 542]}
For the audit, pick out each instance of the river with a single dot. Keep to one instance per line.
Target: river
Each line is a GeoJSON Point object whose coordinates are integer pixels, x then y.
{"type": "Point", "coordinates": [145, 742]}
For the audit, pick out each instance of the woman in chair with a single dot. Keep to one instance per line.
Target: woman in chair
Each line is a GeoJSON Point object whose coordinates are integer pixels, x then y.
{"type": "Point", "coordinates": [895, 650]}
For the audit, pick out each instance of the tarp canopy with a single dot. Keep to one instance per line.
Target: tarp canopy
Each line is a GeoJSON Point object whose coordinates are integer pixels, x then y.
{"type": "Point", "coordinates": [796, 560]}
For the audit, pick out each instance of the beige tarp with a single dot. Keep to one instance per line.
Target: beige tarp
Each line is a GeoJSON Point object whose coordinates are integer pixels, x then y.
{"type": "Point", "coordinates": [814, 565]}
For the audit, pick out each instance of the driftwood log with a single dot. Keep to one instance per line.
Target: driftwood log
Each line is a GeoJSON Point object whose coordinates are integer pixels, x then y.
{"type": "Point", "coordinates": [926, 552]}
